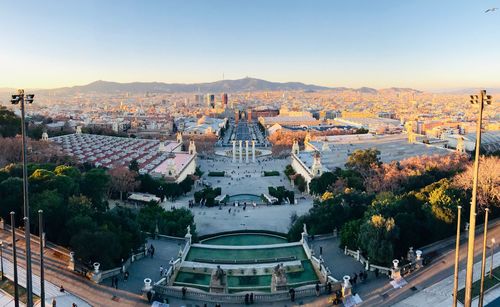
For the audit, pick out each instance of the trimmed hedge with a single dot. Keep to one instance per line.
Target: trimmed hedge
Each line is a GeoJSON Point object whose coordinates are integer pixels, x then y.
{"type": "Point", "coordinates": [209, 194]}
{"type": "Point", "coordinates": [271, 173]}
{"type": "Point", "coordinates": [216, 174]}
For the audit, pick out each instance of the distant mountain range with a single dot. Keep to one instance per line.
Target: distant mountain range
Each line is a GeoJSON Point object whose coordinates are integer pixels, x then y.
{"type": "Point", "coordinates": [239, 85]}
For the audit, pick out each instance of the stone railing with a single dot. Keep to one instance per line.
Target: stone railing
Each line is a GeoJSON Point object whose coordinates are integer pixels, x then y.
{"type": "Point", "coordinates": [366, 262]}
{"type": "Point", "coordinates": [237, 298]}
{"type": "Point", "coordinates": [98, 276]}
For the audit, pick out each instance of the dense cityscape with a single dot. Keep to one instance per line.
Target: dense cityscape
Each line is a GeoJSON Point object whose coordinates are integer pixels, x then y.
{"type": "Point", "coordinates": [247, 190]}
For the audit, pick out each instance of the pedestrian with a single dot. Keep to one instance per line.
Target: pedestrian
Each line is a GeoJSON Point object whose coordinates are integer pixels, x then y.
{"type": "Point", "coordinates": [116, 282]}
{"type": "Point", "coordinates": [292, 294]}
{"type": "Point", "coordinates": [251, 298]}
{"type": "Point", "coordinates": [317, 289]}
{"type": "Point", "coordinates": [354, 279]}
{"type": "Point", "coordinates": [376, 272]}
{"type": "Point", "coordinates": [152, 250]}
{"type": "Point", "coordinates": [61, 289]}
{"type": "Point", "coordinates": [184, 290]}
{"type": "Point", "coordinates": [74, 305]}
{"type": "Point", "coordinates": [54, 303]}
{"type": "Point", "coordinates": [329, 287]}
{"type": "Point", "coordinates": [247, 299]}
{"type": "Point", "coordinates": [112, 282]}
{"type": "Point", "coordinates": [361, 275]}
{"type": "Point", "coordinates": [125, 276]}
{"type": "Point", "coordinates": [161, 270]}
{"type": "Point", "coordinates": [150, 296]}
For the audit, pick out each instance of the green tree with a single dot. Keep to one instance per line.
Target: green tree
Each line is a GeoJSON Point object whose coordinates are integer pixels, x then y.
{"type": "Point", "coordinates": [134, 166]}
{"type": "Point", "coordinates": [376, 237]}
{"type": "Point", "coordinates": [444, 202]}
{"type": "Point", "coordinates": [54, 212]}
{"type": "Point", "coordinates": [95, 185]}
{"type": "Point", "coordinates": [97, 246]}
{"type": "Point", "coordinates": [69, 171]}
{"type": "Point", "coordinates": [319, 185]}
{"type": "Point", "coordinates": [300, 183]}
{"type": "Point", "coordinates": [349, 234]}
{"type": "Point", "coordinates": [10, 123]}
{"type": "Point", "coordinates": [363, 161]}
{"type": "Point", "coordinates": [11, 197]}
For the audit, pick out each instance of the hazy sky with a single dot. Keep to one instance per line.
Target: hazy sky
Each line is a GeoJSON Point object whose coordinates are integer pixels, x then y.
{"type": "Point", "coordinates": [415, 43]}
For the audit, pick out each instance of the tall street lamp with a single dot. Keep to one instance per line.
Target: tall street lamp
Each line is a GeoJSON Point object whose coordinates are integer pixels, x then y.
{"type": "Point", "coordinates": [492, 253]}
{"type": "Point", "coordinates": [483, 262]}
{"type": "Point", "coordinates": [457, 251]}
{"type": "Point", "coordinates": [20, 98]}
{"type": "Point", "coordinates": [1, 258]}
{"type": "Point", "coordinates": [479, 100]}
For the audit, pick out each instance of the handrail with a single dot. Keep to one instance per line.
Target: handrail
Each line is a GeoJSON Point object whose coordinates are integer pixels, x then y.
{"type": "Point", "coordinates": [199, 295]}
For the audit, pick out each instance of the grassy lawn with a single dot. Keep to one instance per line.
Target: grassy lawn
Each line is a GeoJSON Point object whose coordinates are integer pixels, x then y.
{"type": "Point", "coordinates": [476, 286]}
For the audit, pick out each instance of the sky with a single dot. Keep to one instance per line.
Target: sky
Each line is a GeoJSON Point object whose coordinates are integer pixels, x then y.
{"type": "Point", "coordinates": [424, 44]}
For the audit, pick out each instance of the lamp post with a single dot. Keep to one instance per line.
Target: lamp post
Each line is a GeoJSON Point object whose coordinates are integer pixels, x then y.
{"type": "Point", "coordinates": [479, 100]}
{"type": "Point", "coordinates": [14, 257]}
{"type": "Point", "coordinates": [21, 98]}
{"type": "Point", "coordinates": [42, 271]}
{"type": "Point", "coordinates": [1, 258]}
{"type": "Point", "coordinates": [457, 252]}
{"type": "Point", "coordinates": [492, 253]}
{"type": "Point", "coordinates": [483, 262]}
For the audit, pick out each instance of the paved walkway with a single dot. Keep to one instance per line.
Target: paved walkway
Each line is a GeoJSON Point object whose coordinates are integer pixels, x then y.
{"type": "Point", "coordinates": [149, 267]}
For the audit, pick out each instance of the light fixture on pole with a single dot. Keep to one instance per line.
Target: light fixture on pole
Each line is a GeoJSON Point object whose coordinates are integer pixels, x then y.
{"type": "Point", "coordinates": [480, 100]}
{"type": "Point", "coordinates": [14, 257]}
{"type": "Point", "coordinates": [1, 258]}
{"type": "Point", "coordinates": [457, 251]}
{"type": "Point", "coordinates": [483, 262]}
{"type": "Point", "coordinates": [492, 253]}
{"type": "Point", "coordinates": [21, 98]}
{"type": "Point", "coordinates": [42, 270]}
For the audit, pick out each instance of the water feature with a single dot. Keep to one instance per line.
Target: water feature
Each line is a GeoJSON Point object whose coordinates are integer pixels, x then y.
{"type": "Point", "coordinates": [248, 261]}
{"type": "Point", "coordinates": [249, 198]}
{"type": "Point", "coordinates": [242, 239]}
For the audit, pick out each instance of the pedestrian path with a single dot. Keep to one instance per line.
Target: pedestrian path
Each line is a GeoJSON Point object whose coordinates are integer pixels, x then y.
{"type": "Point", "coordinates": [52, 291]}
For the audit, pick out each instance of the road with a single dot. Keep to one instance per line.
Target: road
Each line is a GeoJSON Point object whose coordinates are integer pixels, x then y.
{"type": "Point", "coordinates": [440, 268]}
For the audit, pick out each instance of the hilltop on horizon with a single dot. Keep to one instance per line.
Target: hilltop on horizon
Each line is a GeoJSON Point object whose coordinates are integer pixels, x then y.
{"type": "Point", "coordinates": [237, 85]}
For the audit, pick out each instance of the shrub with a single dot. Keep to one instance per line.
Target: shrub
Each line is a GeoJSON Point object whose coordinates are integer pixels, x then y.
{"type": "Point", "coordinates": [216, 174]}
{"type": "Point", "coordinates": [271, 173]}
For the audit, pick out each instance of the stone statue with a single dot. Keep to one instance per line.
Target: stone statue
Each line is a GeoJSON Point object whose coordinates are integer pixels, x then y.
{"type": "Point", "coordinates": [279, 278]}
{"type": "Point", "coordinates": [219, 274]}
{"type": "Point", "coordinates": [189, 229]}
{"type": "Point", "coordinates": [279, 271]}
{"type": "Point", "coordinates": [304, 228]}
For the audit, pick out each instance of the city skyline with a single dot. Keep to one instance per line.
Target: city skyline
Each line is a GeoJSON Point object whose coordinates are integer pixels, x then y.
{"type": "Point", "coordinates": [328, 44]}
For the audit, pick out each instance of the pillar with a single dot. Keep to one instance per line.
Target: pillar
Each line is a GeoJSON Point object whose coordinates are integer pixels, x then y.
{"type": "Point", "coordinates": [234, 151]}
{"type": "Point", "coordinates": [253, 151]}
{"type": "Point", "coordinates": [246, 152]}
{"type": "Point", "coordinates": [241, 151]}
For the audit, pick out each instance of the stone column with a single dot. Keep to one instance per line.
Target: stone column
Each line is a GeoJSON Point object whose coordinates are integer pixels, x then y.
{"type": "Point", "coordinates": [253, 151]}
{"type": "Point", "coordinates": [346, 288]}
{"type": "Point", "coordinates": [241, 151]}
{"type": "Point", "coordinates": [246, 152]}
{"type": "Point", "coordinates": [395, 271]}
{"type": "Point", "coordinates": [234, 151]}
